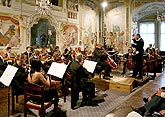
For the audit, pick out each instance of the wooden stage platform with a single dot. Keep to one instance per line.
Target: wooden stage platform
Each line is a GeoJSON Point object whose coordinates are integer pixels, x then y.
{"type": "Point", "coordinates": [119, 83]}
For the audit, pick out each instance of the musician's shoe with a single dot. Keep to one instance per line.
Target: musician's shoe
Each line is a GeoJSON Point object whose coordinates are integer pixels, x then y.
{"type": "Point", "coordinates": [107, 77]}
{"type": "Point", "coordinates": [75, 107]}
{"type": "Point", "coordinates": [83, 103]}
{"type": "Point", "coordinates": [145, 99]}
{"type": "Point", "coordinates": [122, 73]}
{"type": "Point", "coordinates": [139, 77]}
{"type": "Point", "coordinates": [133, 76]}
{"type": "Point", "coordinates": [91, 103]}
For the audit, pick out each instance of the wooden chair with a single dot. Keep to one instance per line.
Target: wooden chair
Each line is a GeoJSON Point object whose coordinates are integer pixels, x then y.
{"type": "Point", "coordinates": [17, 90]}
{"type": "Point", "coordinates": [34, 91]}
{"type": "Point", "coordinates": [66, 84]}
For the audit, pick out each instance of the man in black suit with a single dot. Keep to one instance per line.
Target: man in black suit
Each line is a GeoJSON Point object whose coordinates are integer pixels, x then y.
{"type": "Point", "coordinates": [79, 83]}
{"type": "Point", "coordinates": [28, 55]}
{"type": "Point", "coordinates": [3, 65]}
{"type": "Point", "coordinates": [100, 58]}
{"type": "Point", "coordinates": [138, 43]}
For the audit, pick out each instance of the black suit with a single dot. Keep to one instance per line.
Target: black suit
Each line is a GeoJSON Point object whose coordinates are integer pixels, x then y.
{"type": "Point", "coordinates": [100, 58]}
{"type": "Point", "coordinates": [138, 44]}
{"type": "Point", "coordinates": [79, 83]}
{"type": "Point", "coordinates": [27, 57]}
{"type": "Point", "coordinates": [3, 66]}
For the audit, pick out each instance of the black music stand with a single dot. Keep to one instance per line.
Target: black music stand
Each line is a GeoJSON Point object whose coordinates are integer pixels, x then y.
{"type": "Point", "coordinates": [6, 79]}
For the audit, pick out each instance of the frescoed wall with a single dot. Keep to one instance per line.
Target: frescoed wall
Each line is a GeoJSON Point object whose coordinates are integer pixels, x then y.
{"type": "Point", "coordinates": [69, 36]}
{"type": "Point", "coordinates": [88, 24]}
{"type": "Point", "coordinates": [115, 24]}
{"type": "Point", "coordinates": [9, 32]}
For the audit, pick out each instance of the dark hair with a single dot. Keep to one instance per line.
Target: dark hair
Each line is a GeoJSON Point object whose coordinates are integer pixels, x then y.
{"type": "Point", "coordinates": [8, 48]}
{"type": "Point", "coordinates": [163, 88]}
{"type": "Point", "coordinates": [138, 35]}
{"type": "Point", "coordinates": [66, 50]}
{"type": "Point", "coordinates": [35, 66]}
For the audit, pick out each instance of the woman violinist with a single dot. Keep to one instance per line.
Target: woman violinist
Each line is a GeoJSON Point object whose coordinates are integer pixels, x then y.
{"type": "Point", "coordinates": [151, 61]}
{"type": "Point", "coordinates": [159, 61]}
{"type": "Point", "coordinates": [36, 76]}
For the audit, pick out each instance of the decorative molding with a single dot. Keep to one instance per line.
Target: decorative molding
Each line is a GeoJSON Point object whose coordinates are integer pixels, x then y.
{"type": "Point", "coordinates": [147, 10]}
{"type": "Point", "coordinates": [36, 17]}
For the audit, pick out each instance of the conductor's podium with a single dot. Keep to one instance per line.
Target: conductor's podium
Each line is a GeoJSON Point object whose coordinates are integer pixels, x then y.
{"type": "Point", "coordinates": [122, 84]}
{"type": "Point", "coordinates": [101, 83]}
{"type": "Point", "coordinates": [118, 84]}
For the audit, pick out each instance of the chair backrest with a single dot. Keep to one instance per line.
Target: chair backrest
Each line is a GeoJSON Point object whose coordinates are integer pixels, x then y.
{"type": "Point", "coordinates": [68, 79]}
{"type": "Point", "coordinates": [34, 92]}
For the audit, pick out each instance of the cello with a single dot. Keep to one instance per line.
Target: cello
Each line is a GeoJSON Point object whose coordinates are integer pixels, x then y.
{"type": "Point", "coordinates": [110, 61]}
{"type": "Point", "coordinates": [130, 63]}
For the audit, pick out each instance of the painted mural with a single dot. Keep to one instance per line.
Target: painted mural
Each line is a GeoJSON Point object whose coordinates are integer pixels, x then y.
{"type": "Point", "coordinates": [69, 36]}
{"type": "Point", "coordinates": [9, 32]}
{"type": "Point", "coordinates": [115, 35]}
{"type": "Point", "coordinates": [90, 34]}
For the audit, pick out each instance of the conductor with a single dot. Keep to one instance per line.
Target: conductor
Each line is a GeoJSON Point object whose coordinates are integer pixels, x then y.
{"type": "Point", "coordinates": [138, 44]}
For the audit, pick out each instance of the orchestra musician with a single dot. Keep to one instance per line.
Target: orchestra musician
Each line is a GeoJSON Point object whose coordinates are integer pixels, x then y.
{"type": "Point", "coordinates": [3, 65]}
{"type": "Point", "coordinates": [159, 60]}
{"type": "Point", "coordinates": [150, 47]}
{"type": "Point", "coordinates": [80, 82]}
{"type": "Point", "coordinates": [130, 60]}
{"type": "Point", "coordinates": [100, 57]}
{"type": "Point", "coordinates": [138, 43]}
{"type": "Point", "coordinates": [8, 52]}
{"type": "Point", "coordinates": [57, 54]}
{"type": "Point", "coordinates": [28, 55]}
{"type": "Point", "coordinates": [67, 55]}
{"type": "Point", "coordinates": [36, 76]}
{"type": "Point", "coordinates": [151, 61]}
{"type": "Point", "coordinates": [21, 74]}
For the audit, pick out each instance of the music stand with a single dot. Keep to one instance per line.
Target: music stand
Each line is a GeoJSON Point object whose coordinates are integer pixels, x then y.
{"type": "Point", "coordinates": [6, 79]}
{"type": "Point", "coordinates": [89, 65]}
{"type": "Point", "coordinates": [57, 69]}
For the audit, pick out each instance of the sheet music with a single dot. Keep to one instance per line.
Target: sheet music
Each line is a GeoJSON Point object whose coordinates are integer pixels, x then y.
{"type": "Point", "coordinates": [57, 69]}
{"type": "Point", "coordinates": [8, 75]}
{"type": "Point", "coordinates": [89, 65]}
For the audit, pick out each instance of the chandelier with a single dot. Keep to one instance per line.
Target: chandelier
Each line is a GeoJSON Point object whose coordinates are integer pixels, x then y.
{"type": "Point", "coordinates": [43, 7]}
{"type": "Point", "coordinates": [161, 16]}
